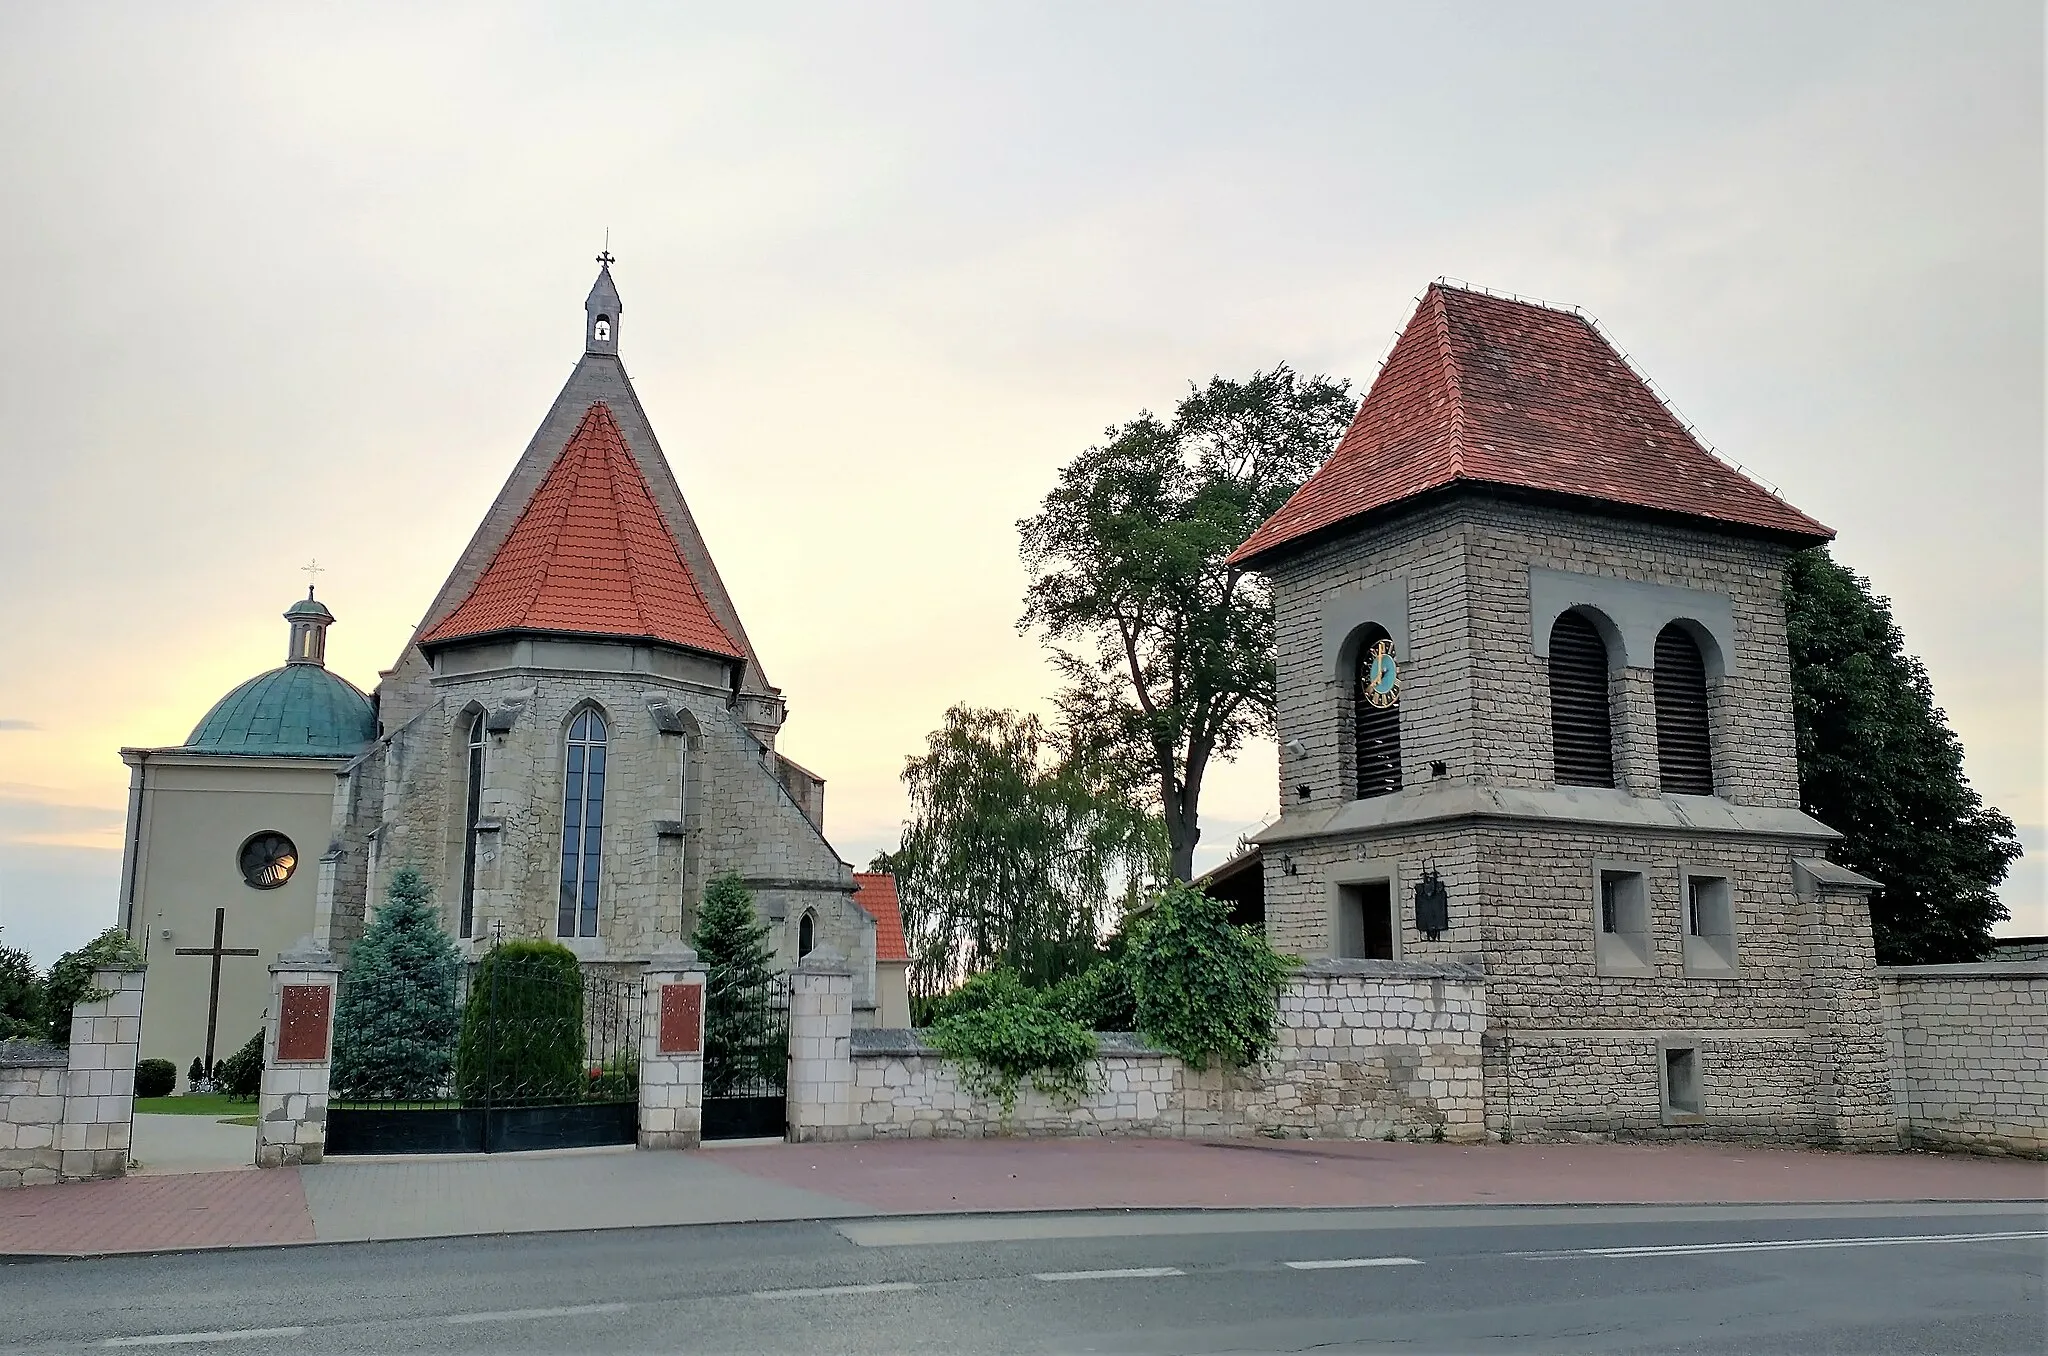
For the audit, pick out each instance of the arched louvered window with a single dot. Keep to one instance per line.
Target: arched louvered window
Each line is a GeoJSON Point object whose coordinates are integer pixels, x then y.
{"type": "Point", "coordinates": [1685, 760]}
{"type": "Point", "coordinates": [1376, 715]}
{"type": "Point", "coordinates": [1581, 726]}
{"type": "Point", "coordinates": [472, 801]}
{"type": "Point", "coordinates": [582, 827]}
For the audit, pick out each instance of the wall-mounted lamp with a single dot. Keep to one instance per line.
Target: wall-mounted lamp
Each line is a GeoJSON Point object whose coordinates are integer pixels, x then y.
{"type": "Point", "coordinates": [1287, 867]}
{"type": "Point", "coordinates": [1296, 749]}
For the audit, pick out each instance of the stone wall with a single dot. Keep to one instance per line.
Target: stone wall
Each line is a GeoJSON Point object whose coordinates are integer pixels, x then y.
{"type": "Point", "coordinates": [2019, 949]}
{"type": "Point", "coordinates": [1969, 1050]}
{"type": "Point", "coordinates": [1367, 1050]}
{"type": "Point", "coordinates": [31, 1113]}
{"type": "Point", "coordinates": [69, 1115]}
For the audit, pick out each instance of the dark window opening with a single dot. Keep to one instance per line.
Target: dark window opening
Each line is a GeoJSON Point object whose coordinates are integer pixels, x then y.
{"type": "Point", "coordinates": [1376, 715]}
{"type": "Point", "coordinates": [1682, 1081]}
{"type": "Point", "coordinates": [1581, 721]}
{"type": "Point", "coordinates": [1365, 923]}
{"type": "Point", "coordinates": [472, 802]}
{"type": "Point", "coordinates": [806, 935]}
{"type": "Point", "coordinates": [1685, 760]}
{"type": "Point", "coordinates": [582, 827]}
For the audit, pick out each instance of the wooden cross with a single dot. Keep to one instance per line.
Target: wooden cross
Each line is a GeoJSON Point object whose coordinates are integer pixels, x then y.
{"type": "Point", "coordinates": [220, 923]}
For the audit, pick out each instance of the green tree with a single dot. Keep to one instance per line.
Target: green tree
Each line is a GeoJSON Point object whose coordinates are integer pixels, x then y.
{"type": "Point", "coordinates": [1016, 838]}
{"type": "Point", "coordinates": [24, 1013]}
{"type": "Point", "coordinates": [71, 978]}
{"type": "Point", "coordinates": [395, 1023]}
{"type": "Point", "coordinates": [1127, 561]}
{"type": "Point", "coordinates": [739, 1025]}
{"type": "Point", "coordinates": [1878, 762]}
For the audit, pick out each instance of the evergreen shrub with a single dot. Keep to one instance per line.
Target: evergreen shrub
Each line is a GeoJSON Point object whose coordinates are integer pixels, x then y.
{"type": "Point", "coordinates": [395, 1020]}
{"type": "Point", "coordinates": [522, 1029]}
{"type": "Point", "coordinates": [741, 1032]}
{"type": "Point", "coordinates": [155, 1078]}
{"type": "Point", "coordinates": [240, 1075]}
{"type": "Point", "coordinates": [195, 1075]}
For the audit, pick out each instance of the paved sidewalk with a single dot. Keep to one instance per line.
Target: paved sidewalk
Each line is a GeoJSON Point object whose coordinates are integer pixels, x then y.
{"type": "Point", "coordinates": [535, 1193]}
{"type": "Point", "coordinates": [179, 1144]}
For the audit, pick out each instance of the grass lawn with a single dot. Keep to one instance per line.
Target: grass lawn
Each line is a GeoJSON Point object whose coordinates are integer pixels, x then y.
{"type": "Point", "coordinates": [210, 1104]}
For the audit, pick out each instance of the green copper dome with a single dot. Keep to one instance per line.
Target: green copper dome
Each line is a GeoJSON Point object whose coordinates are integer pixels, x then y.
{"type": "Point", "coordinates": [300, 709]}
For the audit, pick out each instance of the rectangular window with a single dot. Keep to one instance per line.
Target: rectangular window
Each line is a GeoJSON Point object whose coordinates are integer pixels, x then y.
{"type": "Point", "coordinates": [1709, 940]}
{"type": "Point", "coordinates": [1680, 1081]}
{"type": "Point", "coordinates": [1621, 940]}
{"type": "Point", "coordinates": [1365, 920]}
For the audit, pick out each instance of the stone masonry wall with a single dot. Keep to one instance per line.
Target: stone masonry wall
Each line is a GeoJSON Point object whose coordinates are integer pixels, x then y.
{"type": "Point", "coordinates": [1969, 1046]}
{"type": "Point", "coordinates": [1367, 1050]}
{"type": "Point", "coordinates": [69, 1115]}
{"type": "Point", "coordinates": [31, 1112]}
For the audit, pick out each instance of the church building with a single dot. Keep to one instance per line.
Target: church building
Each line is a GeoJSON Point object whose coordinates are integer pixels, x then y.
{"type": "Point", "coordinates": [1535, 715]}
{"type": "Point", "coordinates": [576, 738]}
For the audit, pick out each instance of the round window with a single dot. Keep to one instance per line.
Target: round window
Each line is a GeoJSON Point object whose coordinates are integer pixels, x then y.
{"type": "Point", "coordinates": [268, 860]}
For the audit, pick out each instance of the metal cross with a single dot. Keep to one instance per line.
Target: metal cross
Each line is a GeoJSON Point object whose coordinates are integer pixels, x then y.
{"type": "Point", "coordinates": [606, 259]}
{"type": "Point", "coordinates": [220, 923]}
{"type": "Point", "coordinates": [312, 569]}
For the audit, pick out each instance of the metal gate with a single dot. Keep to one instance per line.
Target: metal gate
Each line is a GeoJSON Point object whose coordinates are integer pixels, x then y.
{"type": "Point", "coordinates": [534, 1055]}
{"type": "Point", "coordinates": [746, 1059]}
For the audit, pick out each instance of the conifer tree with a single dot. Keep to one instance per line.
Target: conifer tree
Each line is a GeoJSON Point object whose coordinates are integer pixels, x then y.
{"type": "Point", "coordinates": [733, 944]}
{"type": "Point", "coordinates": [1878, 762]}
{"type": "Point", "coordinates": [395, 1024]}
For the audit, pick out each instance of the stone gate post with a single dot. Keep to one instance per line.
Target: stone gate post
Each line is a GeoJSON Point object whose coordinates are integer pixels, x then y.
{"type": "Point", "coordinates": [1845, 1026]}
{"type": "Point", "coordinates": [298, 1053]}
{"type": "Point", "coordinates": [99, 1078]}
{"type": "Point", "coordinates": [672, 1052]}
{"type": "Point", "coordinates": [820, 1049]}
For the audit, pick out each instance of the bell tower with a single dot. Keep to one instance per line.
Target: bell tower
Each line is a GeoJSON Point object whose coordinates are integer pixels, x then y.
{"type": "Point", "coordinates": [601, 311]}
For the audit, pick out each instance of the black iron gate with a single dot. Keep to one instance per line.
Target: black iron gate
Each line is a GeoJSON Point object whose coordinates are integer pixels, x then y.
{"type": "Point", "coordinates": [746, 1059]}
{"type": "Point", "coordinates": [538, 1055]}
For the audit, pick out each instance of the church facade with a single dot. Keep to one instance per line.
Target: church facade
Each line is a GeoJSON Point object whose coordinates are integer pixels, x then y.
{"type": "Point", "coordinates": [576, 738]}
{"type": "Point", "coordinates": [1535, 713]}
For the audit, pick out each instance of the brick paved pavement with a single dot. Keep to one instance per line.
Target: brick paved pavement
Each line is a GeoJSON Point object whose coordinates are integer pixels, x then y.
{"type": "Point", "coordinates": [424, 1198]}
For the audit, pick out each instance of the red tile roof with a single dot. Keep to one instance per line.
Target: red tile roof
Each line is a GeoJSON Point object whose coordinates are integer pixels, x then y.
{"type": "Point", "coordinates": [876, 892]}
{"type": "Point", "coordinates": [1491, 391]}
{"type": "Point", "coordinates": [591, 555]}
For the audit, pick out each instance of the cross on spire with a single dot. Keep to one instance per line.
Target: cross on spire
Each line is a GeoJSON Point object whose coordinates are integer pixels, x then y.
{"type": "Point", "coordinates": [605, 257]}
{"type": "Point", "coordinates": [312, 569]}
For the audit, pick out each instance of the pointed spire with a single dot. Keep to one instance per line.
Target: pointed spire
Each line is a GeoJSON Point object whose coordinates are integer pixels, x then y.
{"type": "Point", "coordinates": [601, 311]}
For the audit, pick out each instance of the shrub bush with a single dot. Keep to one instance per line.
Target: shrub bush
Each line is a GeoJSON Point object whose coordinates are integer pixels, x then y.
{"type": "Point", "coordinates": [24, 1014]}
{"type": "Point", "coordinates": [71, 981]}
{"type": "Point", "coordinates": [155, 1078]}
{"type": "Point", "coordinates": [240, 1075]}
{"type": "Point", "coordinates": [197, 1074]}
{"type": "Point", "coordinates": [985, 990]}
{"type": "Point", "coordinates": [1205, 989]}
{"type": "Point", "coordinates": [395, 1022]}
{"type": "Point", "coordinates": [1016, 1036]}
{"type": "Point", "coordinates": [1099, 997]}
{"type": "Point", "coordinates": [522, 1029]}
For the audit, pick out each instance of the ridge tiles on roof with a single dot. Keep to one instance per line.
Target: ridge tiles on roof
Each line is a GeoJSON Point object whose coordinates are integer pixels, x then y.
{"type": "Point", "coordinates": [591, 555]}
{"type": "Point", "coordinates": [1483, 389]}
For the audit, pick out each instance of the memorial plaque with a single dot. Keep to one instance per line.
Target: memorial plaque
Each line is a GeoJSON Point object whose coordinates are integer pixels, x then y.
{"type": "Point", "coordinates": [302, 1029]}
{"type": "Point", "coordinates": [682, 1019]}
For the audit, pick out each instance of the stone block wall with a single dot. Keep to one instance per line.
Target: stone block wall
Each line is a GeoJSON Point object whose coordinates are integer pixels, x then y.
{"type": "Point", "coordinates": [1367, 1049]}
{"type": "Point", "coordinates": [69, 1115]}
{"type": "Point", "coordinates": [31, 1113]}
{"type": "Point", "coordinates": [1969, 1054]}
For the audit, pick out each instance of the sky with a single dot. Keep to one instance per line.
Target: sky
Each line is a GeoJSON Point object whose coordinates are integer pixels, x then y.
{"type": "Point", "coordinates": [288, 282]}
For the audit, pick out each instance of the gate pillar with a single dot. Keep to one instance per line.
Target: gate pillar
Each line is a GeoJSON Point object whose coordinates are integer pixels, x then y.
{"type": "Point", "coordinates": [672, 1052]}
{"type": "Point", "coordinates": [298, 1054]}
{"type": "Point", "coordinates": [820, 1049]}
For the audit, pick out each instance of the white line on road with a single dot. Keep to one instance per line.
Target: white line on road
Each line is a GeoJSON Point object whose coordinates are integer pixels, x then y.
{"type": "Point", "coordinates": [881, 1288]}
{"type": "Point", "coordinates": [514, 1315]}
{"type": "Point", "coordinates": [1879, 1241]}
{"type": "Point", "coordinates": [1125, 1273]}
{"type": "Point", "coordinates": [1333, 1263]}
{"type": "Point", "coordinates": [170, 1339]}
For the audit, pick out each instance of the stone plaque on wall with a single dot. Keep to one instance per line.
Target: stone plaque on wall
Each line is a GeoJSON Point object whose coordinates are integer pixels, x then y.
{"type": "Point", "coordinates": [682, 1019]}
{"type": "Point", "coordinates": [302, 1025]}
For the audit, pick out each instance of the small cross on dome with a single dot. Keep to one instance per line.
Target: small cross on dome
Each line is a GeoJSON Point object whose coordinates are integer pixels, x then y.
{"type": "Point", "coordinates": [312, 569]}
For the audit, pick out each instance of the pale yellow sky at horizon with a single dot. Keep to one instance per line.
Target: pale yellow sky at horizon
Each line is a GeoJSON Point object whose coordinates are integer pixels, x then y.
{"type": "Point", "coordinates": [291, 285]}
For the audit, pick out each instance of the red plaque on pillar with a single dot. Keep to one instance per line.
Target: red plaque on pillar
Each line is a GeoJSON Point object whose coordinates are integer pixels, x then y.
{"type": "Point", "coordinates": [302, 1025]}
{"type": "Point", "coordinates": [682, 1019]}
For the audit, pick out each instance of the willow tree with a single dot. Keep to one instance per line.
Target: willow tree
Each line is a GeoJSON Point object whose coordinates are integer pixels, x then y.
{"type": "Point", "coordinates": [1167, 651]}
{"type": "Point", "coordinates": [1020, 842]}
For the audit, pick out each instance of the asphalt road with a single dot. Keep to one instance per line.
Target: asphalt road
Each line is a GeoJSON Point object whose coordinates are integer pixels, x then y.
{"type": "Point", "coordinates": [1751, 1280]}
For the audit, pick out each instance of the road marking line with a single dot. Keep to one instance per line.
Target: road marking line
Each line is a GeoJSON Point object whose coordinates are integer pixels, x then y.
{"type": "Point", "coordinates": [1332, 1263]}
{"type": "Point", "coordinates": [1879, 1241]}
{"type": "Point", "coordinates": [168, 1339]}
{"type": "Point", "coordinates": [881, 1288]}
{"type": "Point", "coordinates": [1122, 1273]}
{"type": "Point", "coordinates": [514, 1315]}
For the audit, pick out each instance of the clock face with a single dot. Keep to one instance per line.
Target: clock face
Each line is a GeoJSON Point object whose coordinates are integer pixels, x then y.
{"type": "Point", "coordinates": [268, 860]}
{"type": "Point", "coordinates": [1380, 684]}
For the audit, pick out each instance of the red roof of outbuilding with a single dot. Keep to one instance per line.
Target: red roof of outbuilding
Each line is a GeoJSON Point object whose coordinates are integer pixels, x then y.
{"type": "Point", "coordinates": [1490, 391]}
{"type": "Point", "coordinates": [875, 891]}
{"type": "Point", "coordinates": [590, 555]}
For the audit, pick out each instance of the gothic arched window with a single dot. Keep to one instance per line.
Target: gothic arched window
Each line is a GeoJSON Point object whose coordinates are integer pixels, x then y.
{"type": "Point", "coordinates": [472, 801]}
{"type": "Point", "coordinates": [1376, 715]}
{"type": "Point", "coordinates": [582, 826]}
{"type": "Point", "coordinates": [1685, 759]}
{"type": "Point", "coordinates": [1581, 723]}
{"type": "Point", "coordinates": [806, 934]}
